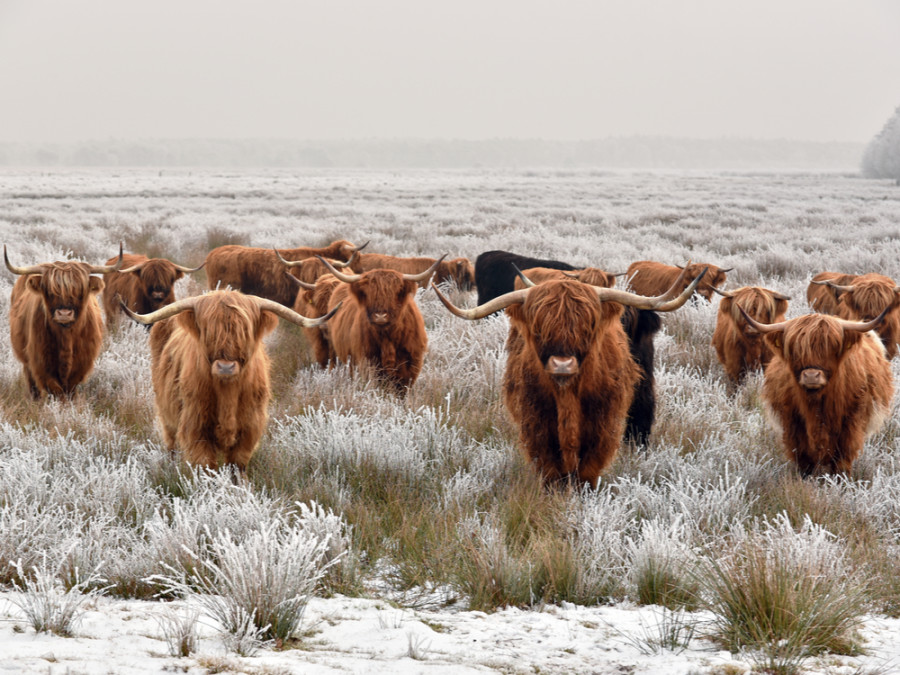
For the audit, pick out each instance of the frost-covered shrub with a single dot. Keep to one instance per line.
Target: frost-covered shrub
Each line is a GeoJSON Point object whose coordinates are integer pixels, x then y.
{"type": "Point", "coordinates": [255, 586]}
{"type": "Point", "coordinates": [783, 593]}
{"type": "Point", "coordinates": [46, 603]}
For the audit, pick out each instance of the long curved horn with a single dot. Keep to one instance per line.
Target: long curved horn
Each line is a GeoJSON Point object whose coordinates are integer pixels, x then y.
{"type": "Point", "coordinates": [290, 315]}
{"type": "Point", "coordinates": [724, 294]}
{"type": "Point", "coordinates": [422, 276]}
{"type": "Point", "coordinates": [837, 287]}
{"type": "Point", "coordinates": [525, 280]}
{"type": "Point", "coordinates": [348, 278]}
{"type": "Point", "coordinates": [165, 312]}
{"type": "Point", "coordinates": [780, 296]}
{"type": "Point", "coordinates": [491, 306]}
{"type": "Point", "coordinates": [726, 270]}
{"type": "Point", "coordinates": [180, 268]}
{"type": "Point", "coordinates": [299, 282]}
{"type": "Point", "coordinates": [659, 303]}
{"type": "Point", "coordinates": [106, 269]}
{"type": "Point", "coordinates": [39, 269]}
{"type": "Point", "coordinates": [861, 326]}
{"type": "Point", "coordinates": [34, 269]}
{"type": "Point", "coordinates": [357, 249]}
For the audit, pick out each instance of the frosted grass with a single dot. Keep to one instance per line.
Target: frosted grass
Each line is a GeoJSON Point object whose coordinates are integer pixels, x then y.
{"type": "Point", "coordinates": [91, 472]}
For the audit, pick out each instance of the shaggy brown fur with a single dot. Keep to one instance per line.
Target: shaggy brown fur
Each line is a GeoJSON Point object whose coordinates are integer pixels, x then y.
{"type": "Point", "coordinates": [823, 298]}
{"type": "Point", "coordinates": [652, 278]}
{"type": "Point", "coordinates": [571, 413]}
{"type": "Point", "coordinates": [144, 290]}
{"type": "Point", "coordinates": [823, 428]}
{"type": "Point", "coordinates": [211, 378]}
{"type": "Point", "coordinates": [316, 303]}
{"type": "Point", "coordinates": [380, 322]}
{"type": "Point", "coordinates": [460, 270]}
{"type": "Point", "coordinates": [739, 346]}
{"type": "Point", "coordinates": [55, 326]}
{"type": "Point", "coordinates": [869, 295]}
{"type": "Point", "coordinates": [257, 271]}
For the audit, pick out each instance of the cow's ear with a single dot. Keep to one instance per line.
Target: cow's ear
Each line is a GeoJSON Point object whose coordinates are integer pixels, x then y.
{"type": "Point", "coordinates": [188, 320]}
{"type": "Point", "coordinates": [611, 311]}
{"type": "Point", "coordinates": [726, 306]}
{"type": "Point", "coordinates": [178, 275]}
{"type": "Point", "coordinates": [267, 323]}
{"type": "Point", "coordinates": [781, 307]}
{"type": "Point", "coordinates": [33, 283]}
{"type": "Point", "coordinates": [410, 287]}
{"type": "Point", "coordinates": [775, 340]}
{"type": "Point", "coordinates": [95, 284]}
{"type": "Point", "coordinates": [851, 337]}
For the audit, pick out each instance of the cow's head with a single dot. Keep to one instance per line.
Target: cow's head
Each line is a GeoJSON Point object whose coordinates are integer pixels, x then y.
{"type": "Point", "coordinates": [383, 293]}
{"type": "Point", "coordinates": [228, 326]}
{"type": "Point", "coordinates": [157, 278]}
{"type": "Point", "coordinates": [343, 249]}
{"type": "Point", "coordinates": [460, 270]}
{"type": "Point", "coordinates": [867, 296]}
{"type": "Point", "coordinates": [763, 304]}
{"type": "Point", "coordinates": [562, 320]}
{"type": "Point", "coordinates": [65, 288]}
{"type": "Point", "coordinates": [714, 277]}
{"type": "Point", "coordinates": [814, 345]}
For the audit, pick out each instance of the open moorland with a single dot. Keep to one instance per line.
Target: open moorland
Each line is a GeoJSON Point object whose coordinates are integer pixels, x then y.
{"type": "Point", "coordinates": [430, 543]}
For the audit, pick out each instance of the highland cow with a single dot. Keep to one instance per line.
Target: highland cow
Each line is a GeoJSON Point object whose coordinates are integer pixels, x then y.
{"type": "Point", "coordinates": [458, 270]}
{"type": "Point", "coordinates": [646, 277]}
{"type": "Point", "coordinates": [864, 298]}
{"type": "Point", "coordinates": [821, 296]}
{"type": "Point", "coordinates": [497, 274]}
{"type": "Point", "coordinates": [739, 346]}
{"type": "Point", "coordinates": [144, 285]}
{"type": "Point", "coordinates": [55, 324]}
{"type": "Point", "coordinates": [257, 271]}
{"type": "Point", "coordinates": [211, 373]}
{"type": "Point", "coordinates": [827, 387]}
{"type": "Point", "coordinates": [380, 323]}
{"type": "Point", "coordinates": [570, 380]}
{"type": "Point", "coordinates": [314, 300]}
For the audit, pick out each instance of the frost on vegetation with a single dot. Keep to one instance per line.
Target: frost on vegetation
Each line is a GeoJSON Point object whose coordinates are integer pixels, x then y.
{"type": "Point", "coordinates": [255, 586]}
{"type": "Point", "coordinates": [408, 442]}
{"type": "Point", "coordinates": [44, 601]}
{"type": "Point", "coordinates": [182, 529]}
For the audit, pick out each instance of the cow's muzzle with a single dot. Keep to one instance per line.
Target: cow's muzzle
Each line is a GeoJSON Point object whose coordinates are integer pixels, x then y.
{"type": "Point", "coordinates": [812, 379]}
{"type": "Point", "coordinates": [64, 316]}
{"type": "Point", "coordinates": [562, 366]}
{"type": "Point", "coordinates": [158, 296]}
{"type": "Point", "coordinates": [380, 318]}
{"type": "Point", "coordinates": [225, 369]}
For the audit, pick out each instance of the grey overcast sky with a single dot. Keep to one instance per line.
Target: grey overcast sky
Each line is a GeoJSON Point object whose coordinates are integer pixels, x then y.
{"type": "Point", "coordinates": [817, 70]}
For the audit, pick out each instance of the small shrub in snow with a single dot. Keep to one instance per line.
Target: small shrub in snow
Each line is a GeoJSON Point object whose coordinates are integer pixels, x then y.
{"type": "Point", "coordinates": [179, 630]}
{"type": "Point", "coordinates": [47, 605]}
{"type": "Point", "coordinates": [784, 595]}
{"type": "Point", "coordinates": [256, 587]}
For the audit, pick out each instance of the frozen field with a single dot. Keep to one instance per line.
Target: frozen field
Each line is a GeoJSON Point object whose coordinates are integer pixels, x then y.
{"type": "Point", "coordinates": [453, 558]}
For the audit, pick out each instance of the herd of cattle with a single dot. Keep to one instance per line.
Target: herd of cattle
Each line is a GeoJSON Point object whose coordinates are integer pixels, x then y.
{"type": "Point", "coordinates": [579, 373]}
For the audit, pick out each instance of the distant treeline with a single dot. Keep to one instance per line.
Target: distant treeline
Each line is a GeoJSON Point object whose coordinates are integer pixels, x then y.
{"type": "Point", "coordinates": [630, 152]}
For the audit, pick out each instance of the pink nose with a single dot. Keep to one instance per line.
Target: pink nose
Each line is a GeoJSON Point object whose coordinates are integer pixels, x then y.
{"type": "Point", "coordinates": [158, 295]}
{"type": "Point", "coordinates": [812, 378]}
{"type": "Point", "coordinates": [562, 365]}
{"type": "Point", "coordinates": [380, 318]}
{"type": "Point", "coordinates": [223, 368]}
{"type": "Point", "coordinates": [64, 315]}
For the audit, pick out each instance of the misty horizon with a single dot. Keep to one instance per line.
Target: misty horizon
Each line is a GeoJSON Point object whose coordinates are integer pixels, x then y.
{"type": "Point", "coordinates": [810, 70]}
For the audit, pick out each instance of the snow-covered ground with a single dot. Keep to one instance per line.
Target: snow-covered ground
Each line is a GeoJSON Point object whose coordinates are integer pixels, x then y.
{"type": "Point", "coordinates": [355, 635]}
